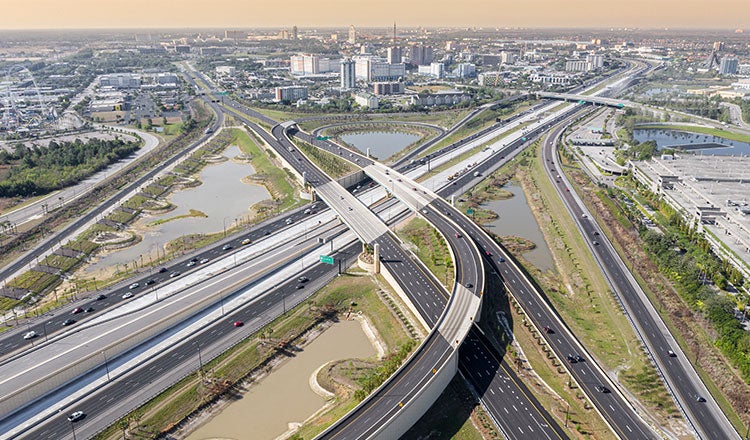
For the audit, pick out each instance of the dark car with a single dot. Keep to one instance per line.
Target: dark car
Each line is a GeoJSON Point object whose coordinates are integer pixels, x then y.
{"type": "Point", "coordinates": [548, 330]}
{"type": "Point", "coordinates": [69, 322]}
{"type": "Point", "coordinates": [303, 279]}
{"type": "Point", "coordinates": [89, 309]}
{"type": "Point", "coordinates": [300, 286]}
{"type": "Point", "coordinates": [501, 260]}
{"type": "Point", "coordinates": [163, 270]}
{"type": "Point", "coordinates": [571, 359]}
{"type": "Point", "coordinates": [578, 358]}
{"type": "Point", "coordinates": [150, 282]}
{"type": "Point", "coordinates": [101, 297]}
{"type": "Point", "coordinates": [699, 398]}
{"type": "Point", "coordinates": [602, 389]}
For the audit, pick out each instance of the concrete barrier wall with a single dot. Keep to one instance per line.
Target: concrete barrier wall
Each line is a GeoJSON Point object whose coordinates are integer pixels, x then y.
{"type": "Point", "coordinates": [405, 298]}
{"type": "Point", "coordinates": [418, 406]}
{"type": "Point", "coordinates": [351, 179]}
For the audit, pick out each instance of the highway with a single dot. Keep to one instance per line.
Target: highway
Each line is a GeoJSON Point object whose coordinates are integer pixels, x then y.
{"type": "Point", "coordinates": [52, 242]}
{"type": "Point", "coordinates": [315, 177]}
{"type": "Point", "coordinates": [681, 379]}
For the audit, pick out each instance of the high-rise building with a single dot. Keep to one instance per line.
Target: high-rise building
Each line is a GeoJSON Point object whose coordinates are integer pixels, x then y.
{"type": "Point", "coordinates": [294, 33]}
{"type": "Point", "coordinates": [595, 61]}
{"type": "Point", "coordinates": [729, 66]}
{"type": "Point", "coordinates": [377, 69]}
{"type": "Point", "coordinates": [352, 35]}
{"type": "Point", "coordinates": [388, 88]}
{"type": "Point", "coordinates": [309, 64]}
{"type": "Point", "coordinates": [394, 55]}
{"type": "Point", "coordinates": [718, 46]}
{"type": "Point", "coordinates": [508, 57]}
{"type": "Point", "coordinates": [348, 74]}
{"type": "Point", "coordinates": [420, 55]}
{"type": "Point", "coordinates": [437, 70]}
{"type": "Point", "coordinates": [465, 70]}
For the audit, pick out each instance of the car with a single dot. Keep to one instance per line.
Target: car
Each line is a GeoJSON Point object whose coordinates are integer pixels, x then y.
{"type": "Point", "coordinates": [548, 330]}
{"type": "Point", "coordinates": [76, 416]}
{"type": "Point", "coordinates": [68, 322]}
{"type": "Point", "coordinates": [488, 253]}
{"type": "Point", "coordinates": [127, 295]}
{"type": "Point", "coordinates": [300, 286]}
{"type": "Point", "coordinates": [596, 243]}
{"type": "Point", "coordinates": [414, 188]}
{"type": "Point", "coordinates": [163, 270]}
{"type": "Point", "coordinates": [133, 286]}
{"type": "Point", "coordinates": [227, 247]}
{"type": "Point", "coordinates": [77, 310]}
{"type": "Point", "coordinates": [191, 263]}
{"type": "Point", "coordinates": [566, 189]}
{"type": "Point", "coordinates": [596, 232]}
{"type": "Point", "coordinates": [246, 241]}
{"type": "Point", "coordinates": [290, 221]}
{"type": "Point", "coordinates": [571, 359]}
{"type": "Point", "coordinates": [399, 179]}
{"type": "Point", "coordinates": [307, 211]}
{"type": "Point", "coordinates": [101, 297]}
{"type": "Point", "coordinates": [501, 260]}
{"type": "Point", "coordinates": [699, 398]}
{"type": "Point", "coordinates": [602, 389]}
{"type": "Point", "coordinates": [194, 259]}
{"type": "Point", "coordinates": [150, 282]}
{"type": "Point", "coordinates": [578, 358]}
{"type": "Point", "coordinates": [89, 309]}
{"type": "Point", "coordinates": [204, 260]}
{"type": "Point", "coordinates": [349, 207]}
{"type": "Point", "coordinates": [303, 279]}
{"type": "Point", "coordinates": [584, 216]}
{"type": "Point", "coordinates": [469, 285]}
{"type": "Point", "coordinates": [457, 235]}
{"type": "Point", "coordinates": [238, 323]}
{"type": "Point", "coordinates": [671, 353]}
{"type": "Point", "coordinates": [174, 274]}
{"type": "Point", "coordinates": [30, 335]}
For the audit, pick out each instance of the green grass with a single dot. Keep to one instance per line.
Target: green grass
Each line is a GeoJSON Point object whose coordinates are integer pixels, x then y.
{"type": "Point", "coordinates": [582, 297]}
{"type": "Point", "coordinates": [726, 134]}
{"type": "Point", "coordinates": [192, 213]}
{"type": "Point", "coordinates": [275, 179]}
{"type": "Point", "coordinates": [331, 164]}
{"type": "Point", "coordinates": [431, 249]}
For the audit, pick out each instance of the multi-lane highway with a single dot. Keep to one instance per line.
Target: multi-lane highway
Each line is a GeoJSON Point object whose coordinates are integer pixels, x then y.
{"type": "Point", "coordinates": [691, 394]}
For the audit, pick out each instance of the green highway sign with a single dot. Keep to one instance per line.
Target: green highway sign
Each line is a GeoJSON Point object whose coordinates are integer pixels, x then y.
{"type": "Point", "coordinates": [323, 138]}
{"type": "Point", "coordinates": [327, 259]}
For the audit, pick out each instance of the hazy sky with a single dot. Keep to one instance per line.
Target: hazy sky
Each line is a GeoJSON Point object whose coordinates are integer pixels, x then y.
{"type": "Point", "coordinates": [25, 14]}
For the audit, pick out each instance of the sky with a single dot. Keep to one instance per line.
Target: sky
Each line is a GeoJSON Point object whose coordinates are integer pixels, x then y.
{"type": "Point", "coordinates": [77, 14]}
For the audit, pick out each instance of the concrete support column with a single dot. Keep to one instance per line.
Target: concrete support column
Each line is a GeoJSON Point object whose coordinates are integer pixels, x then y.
{"type": "Point", "coordinates": [453, 200]}
{"type": "Point", "coordinates": [376, 258]}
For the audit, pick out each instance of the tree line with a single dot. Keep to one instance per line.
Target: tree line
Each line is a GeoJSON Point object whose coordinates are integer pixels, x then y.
{"type": "Point", "coordinates": [38, 170]}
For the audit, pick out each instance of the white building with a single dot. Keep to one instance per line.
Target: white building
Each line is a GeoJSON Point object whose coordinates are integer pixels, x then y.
{"type": "Point", "coordinates": [225, 70]}
{"type": "Point", "coordinates": [367, 100]}
{"type": "Point", "coordinates": [508, 57]}
{"type": "Point", "coordinates": [291, 93]}
{"type": "Point", "coordinates": [377, 69]}
{"type": "Point", "coordinates": [348, 74]}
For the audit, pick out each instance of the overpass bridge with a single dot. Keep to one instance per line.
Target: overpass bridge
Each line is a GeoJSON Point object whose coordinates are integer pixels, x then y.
{"type": "Point", "coordinates": [588, 99]}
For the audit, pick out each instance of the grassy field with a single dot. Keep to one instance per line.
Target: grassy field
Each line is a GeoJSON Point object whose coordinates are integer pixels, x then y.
{"type": "Point", "coordinates": [431, 249]}
{"type": "Point", "coordinates": [710, 131]}
{"type": "Point", "coordinates": [331, 164]}
{"type": "Point", "coordinates": [582, 297]}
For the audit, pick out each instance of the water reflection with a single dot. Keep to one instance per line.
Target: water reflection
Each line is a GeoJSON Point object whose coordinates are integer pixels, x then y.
{"type": "Point", "coordinates": [222, 197]}
{"type": "Point", "coordinates": [382, 144]}
{"type": "Point", "coordinates": [515, 218]}
{"type": "Point", "coordinates": [699, 143]}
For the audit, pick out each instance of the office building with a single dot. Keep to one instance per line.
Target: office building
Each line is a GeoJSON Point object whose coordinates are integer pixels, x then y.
{"type": "Point", "coordinates": [308, 64]}
{"type": "Point", "coordinates": [420, 55]}
{"type": "Point", "coordinates": [348, 74]}
{"type": "Point", "coordinates": [508, 57]}
{"type": "Point", "coordinates": [291, 93]}
{"type": "Point", "coordinates": [595, 61]}
{"type": "Point", "coordinates": [373, 69]}
{"type": "Point", "coordinates": [352, 35]}
{"type": "Point", "coordinates": [294, 33]}
{"type": "Point", "coordinates": [394, 55]}
{"type": "Point", "coordinates": [718, 46]}
{"type": "Point", "coordinates": [729, 66]}
{"type": "Point", "coordinates": [388, 88]}
{"type": "Point", "coordinates": [437, 70]}
{"type": "Point", "coordinates": [465, 70]}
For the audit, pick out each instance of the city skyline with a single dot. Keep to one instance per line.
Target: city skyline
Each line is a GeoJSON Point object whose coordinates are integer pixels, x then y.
{"type": "Point", "coordinates": [81, 14]}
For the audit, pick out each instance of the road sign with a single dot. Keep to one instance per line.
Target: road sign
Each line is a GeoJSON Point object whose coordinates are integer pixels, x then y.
{"type": "Point", "coordinates": [327, 259]}
{"type": "Point", "coordinates": [323, 138]}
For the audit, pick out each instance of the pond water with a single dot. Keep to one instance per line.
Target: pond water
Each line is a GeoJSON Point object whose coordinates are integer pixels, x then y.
{"type": "Point", "coordinates": [694, 142]}
{"type": "Point", "coordinates": [382, 144]}
{"type": "Point", "coordinates": [222, 197]}
{"type": "Point", "coordinates": [516, 219]}
{"type": "Point", "coordinates": [285, 396]}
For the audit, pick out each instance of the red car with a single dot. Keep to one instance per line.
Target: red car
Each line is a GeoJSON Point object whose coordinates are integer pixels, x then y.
{"type": "Point", "coordinates": [238, 323]}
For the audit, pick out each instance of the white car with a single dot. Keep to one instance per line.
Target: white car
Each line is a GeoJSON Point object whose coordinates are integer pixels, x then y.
{"type": "Point", "coordinates": [127, 295]}
{"type": "Point", "coordinates": [30, 335]}
{"type": "Point", "coordinates": [76, 416]}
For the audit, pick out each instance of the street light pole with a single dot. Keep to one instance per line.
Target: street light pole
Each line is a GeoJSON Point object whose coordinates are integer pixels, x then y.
{"type": "Point", "coordinates": [106, 365]}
